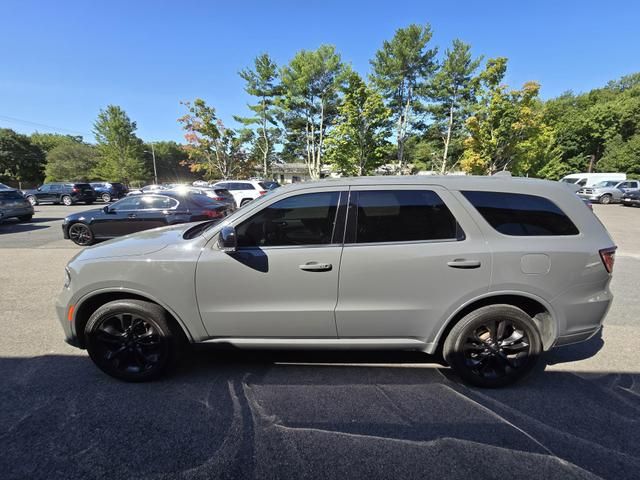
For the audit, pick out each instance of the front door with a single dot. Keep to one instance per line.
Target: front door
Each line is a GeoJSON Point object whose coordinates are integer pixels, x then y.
{"type": "Point", "coordinates": [283, 279]}
{"type": "Point", "coordinates": [412, 255]}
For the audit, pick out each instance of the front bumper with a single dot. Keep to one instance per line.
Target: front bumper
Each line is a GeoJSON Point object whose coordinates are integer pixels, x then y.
{"type": "Point", "coordinates": [20, 211]}
{"type": "Point", "coordinates": [63, 304]}
{"type": "Point", "coordinates": [631, 201]}
{"type": "Point", "coordinates": [590, 197]}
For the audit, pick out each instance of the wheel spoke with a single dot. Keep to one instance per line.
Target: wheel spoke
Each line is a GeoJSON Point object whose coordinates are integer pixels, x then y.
{"type": "Point", "coordinates": [500, 329]}
{"type": "Point", "coordinates": [513, 338]}
{"type": "Point", "coordinates": [112, 354]}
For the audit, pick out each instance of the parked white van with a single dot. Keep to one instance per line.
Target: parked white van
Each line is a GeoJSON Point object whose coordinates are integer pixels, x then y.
{"type": "Point", "coordinates": [590, 179]}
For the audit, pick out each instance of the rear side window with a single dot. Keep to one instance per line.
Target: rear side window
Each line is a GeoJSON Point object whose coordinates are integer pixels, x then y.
{"type": "Point", "coordinates": [518, 214]}
{"type": "Point", "coordinates": [402, 216]}
{"type": "Point", "coordinates": [11, 195]}
{"type": "Point", "coordinates": [243, 186]}
{"type": "Point", "coordinates": [202, 200]}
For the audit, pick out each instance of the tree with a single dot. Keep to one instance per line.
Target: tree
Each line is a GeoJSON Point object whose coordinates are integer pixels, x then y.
{"type": "Point", "coordinates": [49, 141]}
{"type": "Point", "coordinates": [453, 90]}
{"type": "Point", "coordinates": [171, 161]}
{"type": "Point", "coordinates": [20, 160]}
{"type": "Point", "coordinates": [262, 82]}
{"type": "Point", "coordinates": [622, 156]}
{"type": "Point", "coordinates": [401, 69]}
{"type": "Point", "coordinates": [70, 161]}
{"type": "Point", "coordinates": [213, 150]}
{"type": "Point", "coordinates": [356, 145]}
{"type": "Point", "coordinates": [120, 151]}
{"type": "Point", "coordinates": [506, 130]}
{"type": "Point", "coordinates": [309, 105]}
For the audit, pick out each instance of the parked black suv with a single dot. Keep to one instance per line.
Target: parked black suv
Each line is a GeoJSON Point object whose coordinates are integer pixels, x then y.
{"type": "Point", "coordinates": [107, 191]}
{"type": "Point", "coordinates": [65, 193]}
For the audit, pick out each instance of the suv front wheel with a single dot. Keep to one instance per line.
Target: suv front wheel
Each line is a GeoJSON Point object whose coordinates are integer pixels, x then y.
{"type": "Point", "coordinates": [132, 340]}
{"type": "Point", "coordinates": [493, 346]}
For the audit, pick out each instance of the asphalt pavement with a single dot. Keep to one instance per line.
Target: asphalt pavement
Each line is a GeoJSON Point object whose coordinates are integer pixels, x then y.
{"type": "Point", "coordinates": [227, 414]}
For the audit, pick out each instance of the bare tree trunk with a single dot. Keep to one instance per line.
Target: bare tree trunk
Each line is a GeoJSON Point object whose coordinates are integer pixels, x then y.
{"type": "Point", "coordinates": [447, 141]}
{"type": "Point", "coordinates": [320, 141]}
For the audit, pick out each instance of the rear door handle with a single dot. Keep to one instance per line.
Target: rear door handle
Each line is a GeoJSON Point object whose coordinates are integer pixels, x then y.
{"type": "Point", "coordinates": [464, 263]}
{"type": "Point", "coordinates": [315, 267]}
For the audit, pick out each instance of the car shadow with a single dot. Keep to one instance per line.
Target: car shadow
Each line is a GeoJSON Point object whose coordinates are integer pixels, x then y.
{"type": "Point", "coordinates": [224, 413]}
{"type": "Point", "coordinates": [13, 225]}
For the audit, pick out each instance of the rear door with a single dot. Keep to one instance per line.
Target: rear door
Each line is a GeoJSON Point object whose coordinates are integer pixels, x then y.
{"type": "Point", "coordinates": [412, 256]}
{"type": "Point", "coordinates": [154, 211]}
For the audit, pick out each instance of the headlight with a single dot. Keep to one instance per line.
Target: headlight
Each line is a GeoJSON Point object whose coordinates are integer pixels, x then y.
{"type": "Point", "coordinates": [67, 277]}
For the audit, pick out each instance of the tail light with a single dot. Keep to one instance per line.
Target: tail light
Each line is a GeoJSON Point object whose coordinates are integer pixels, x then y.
{"type": "Point", "coordinates": [262, 192]}
{"type": "Point", "coordinates": [75, 189]}
{"type": "Point", "coordinates": [214, 214]}
{"type": "Point", "coordinates": [608, 256]}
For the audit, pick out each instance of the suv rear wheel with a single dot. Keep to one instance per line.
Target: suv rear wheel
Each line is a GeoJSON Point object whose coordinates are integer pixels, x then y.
{"type": "Point", "coordinates": [66, 199]}
{"type": "Point", "coordinates": [132, 340]}
{"type": "Point", "coordinates": [493, 346]}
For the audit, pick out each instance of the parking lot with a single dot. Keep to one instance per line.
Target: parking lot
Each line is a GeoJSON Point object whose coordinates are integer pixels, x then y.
{"type": "Point", "coordinates": [226, 414]}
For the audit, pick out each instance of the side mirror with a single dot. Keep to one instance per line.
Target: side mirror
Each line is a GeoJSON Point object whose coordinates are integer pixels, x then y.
{"type": "Point", "coordinates": [228, 241]}
{"type": "Point", "coordinates": [106, 209]}
{"type": "Point", "coordinates": [39, 188]}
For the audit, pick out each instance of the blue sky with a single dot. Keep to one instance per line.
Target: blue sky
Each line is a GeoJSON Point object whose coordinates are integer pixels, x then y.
{"type": "Point", "coordinates": [63, 61]}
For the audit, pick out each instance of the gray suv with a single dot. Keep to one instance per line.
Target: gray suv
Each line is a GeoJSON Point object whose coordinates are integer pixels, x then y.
{"type": "Point", "coordinates": [489, 272]}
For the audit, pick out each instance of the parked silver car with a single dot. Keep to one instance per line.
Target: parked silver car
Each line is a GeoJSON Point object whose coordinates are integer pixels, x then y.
{"type": "Point", "coordinates": [609, 191]}
{"type": "Point", "coordinates": [489, 271]}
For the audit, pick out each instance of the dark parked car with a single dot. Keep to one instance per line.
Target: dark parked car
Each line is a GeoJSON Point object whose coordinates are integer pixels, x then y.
{"type": "Point", "coordinates": [65, 193]}
{"type": "Point", "coordinates": [13, 204]}
{"type": "Point", "coordinates": [269, 184]}
{"type": "Point", "coordinates": [108, 191]}
{"type": "Point", "coordinates": [221, 195]}
{"type": "Point", "coordinates": [631, 199]}
{"type": "Point", "coordinates": [140, 212]}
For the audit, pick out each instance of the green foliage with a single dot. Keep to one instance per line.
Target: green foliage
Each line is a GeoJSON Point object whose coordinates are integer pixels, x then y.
{"type": "Point", "coordinates": [213, 150]}
{"type": "Point", "coordinates": [453, 93]}
{"type": "Point", "coordinates": [20, 159]}
{"type": "Point", "coordinates": [262, 82]}
{"type": "Point", "coordinates": [70, 161]}
{"type": "Point", "coordinates": [311, 82]}
{"type": "Point", "coordinates": [507, 129]}
{"type": "Point", "coordinates": [622, 156]}
{"type": "Point", "coordinates": [48, 141]}
{"type": "Point", "coordinates": [171, 161]}
{"type": "Point", "coordinates": [401, 70]}
{"type": "Point", "coordinates": [120, 151]}
{"type": "Point", "coordinates": [356, 145]}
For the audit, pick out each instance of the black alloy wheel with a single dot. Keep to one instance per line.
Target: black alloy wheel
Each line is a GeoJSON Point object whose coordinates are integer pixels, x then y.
{"type": "Point", "coordinates": [493, 346]}
{"type": "Point", "coordinates": [132, 340]}
{"type": "Point", "coordinates": [81, 234]}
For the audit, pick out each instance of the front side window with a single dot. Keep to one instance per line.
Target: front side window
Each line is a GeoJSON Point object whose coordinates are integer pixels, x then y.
{"type": "Point", "coordinates": [306, 219]}
{"type": "Point", "coordinates": [401, 216]}
{"type": "Point", "coordinates": [518, 214]}
{"type": "Point", "coordinates": [158, 203]}
{"type": "Point", "coordinates": [129, 203]}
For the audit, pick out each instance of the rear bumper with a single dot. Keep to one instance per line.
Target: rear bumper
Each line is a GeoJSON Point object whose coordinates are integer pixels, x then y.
{"type": "Point", "coordinates": [631, 201]}
{"type": "Point", "coordinates": [9, 212]}
{"type": "Point", "coordinates": [577, 337]}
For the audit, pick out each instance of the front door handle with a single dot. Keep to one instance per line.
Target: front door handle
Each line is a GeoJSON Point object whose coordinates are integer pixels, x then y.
{"type": "Point", "coordinates": [316, 267]}
{"type": "Point", "coordinates": [464, 263]}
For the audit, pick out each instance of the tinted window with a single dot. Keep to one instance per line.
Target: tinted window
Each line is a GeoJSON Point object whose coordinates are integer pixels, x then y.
{"type": "Point", "coordinates": [519, 214]}
{"type": "Point", "coordinates": [129, 203]}
{"type": "Point", "coordinates": [242, 186]}
{"type": "Point", "coordinates": [269, 185]}
{"type": "Point", "coordinates": [582, 182]}
{"type": "Point", "coordinates": [403, 216]}
{"type": "Point", "coordinates": [203, 200]}
{"type": "Point", "coordinates": [301, 220]}
{"type": "Point", "coordinates": [45, 188]}
{"type": "Point", "coordinates": [10, 195]}
{"type": "Point", "coordinates": [55, 188]}
{"type": "Point", "coordinates": [159, 203]}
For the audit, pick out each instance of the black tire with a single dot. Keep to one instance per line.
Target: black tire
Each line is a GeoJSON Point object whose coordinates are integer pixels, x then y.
{"type": "Point", "coordinates": [106, 198]}
{"type": "Point", "coordinates": [81, 234]}
{"type": "Point", "coordinates": [472, 351]}
{"type": "Point", "coordinates": [32, 200]}
{"type": "Point", "coordinates": [25, 218]}
{"type": "Point", "coordinates": [244, 201]}
{"type": "Point", "coordinates": [132, 340]}
{"type": "Point", "coordinates": [605, 199]}
{"type": "Point", "coordinates": [67, 200]}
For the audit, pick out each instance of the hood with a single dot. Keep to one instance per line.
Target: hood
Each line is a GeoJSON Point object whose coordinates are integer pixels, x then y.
{"type": "Point", "coordinates": [85, 214]}
{"type": "Point", "coordinates": [136, 244]}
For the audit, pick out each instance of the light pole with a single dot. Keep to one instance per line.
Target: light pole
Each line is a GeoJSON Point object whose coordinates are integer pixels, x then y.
{"type": "Point", "coordinates": [153, 156]}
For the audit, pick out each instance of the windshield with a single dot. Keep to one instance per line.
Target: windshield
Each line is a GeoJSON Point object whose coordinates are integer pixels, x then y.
{"type": "Point", "coordinates": [569, 180]}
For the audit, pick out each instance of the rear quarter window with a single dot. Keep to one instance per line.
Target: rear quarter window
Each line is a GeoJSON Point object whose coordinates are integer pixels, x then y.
{"type": "Point", "coordinates": [518, 214]}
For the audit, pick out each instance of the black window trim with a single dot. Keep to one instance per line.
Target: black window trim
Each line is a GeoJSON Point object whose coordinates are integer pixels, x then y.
{"type": "Point", "coordinates": [352, 219]}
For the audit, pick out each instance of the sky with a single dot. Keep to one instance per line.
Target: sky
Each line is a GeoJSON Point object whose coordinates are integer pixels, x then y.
{"type": "Point", "coordinates": [61, 62]}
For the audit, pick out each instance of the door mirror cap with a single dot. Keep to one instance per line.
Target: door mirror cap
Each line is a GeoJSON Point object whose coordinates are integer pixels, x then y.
{"type": "Point", "coordinates": [228, 241]}
{"type": "Point", "coordinates": [39, 188]}
{"type": "Point", "coordinates": [107, 209]}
